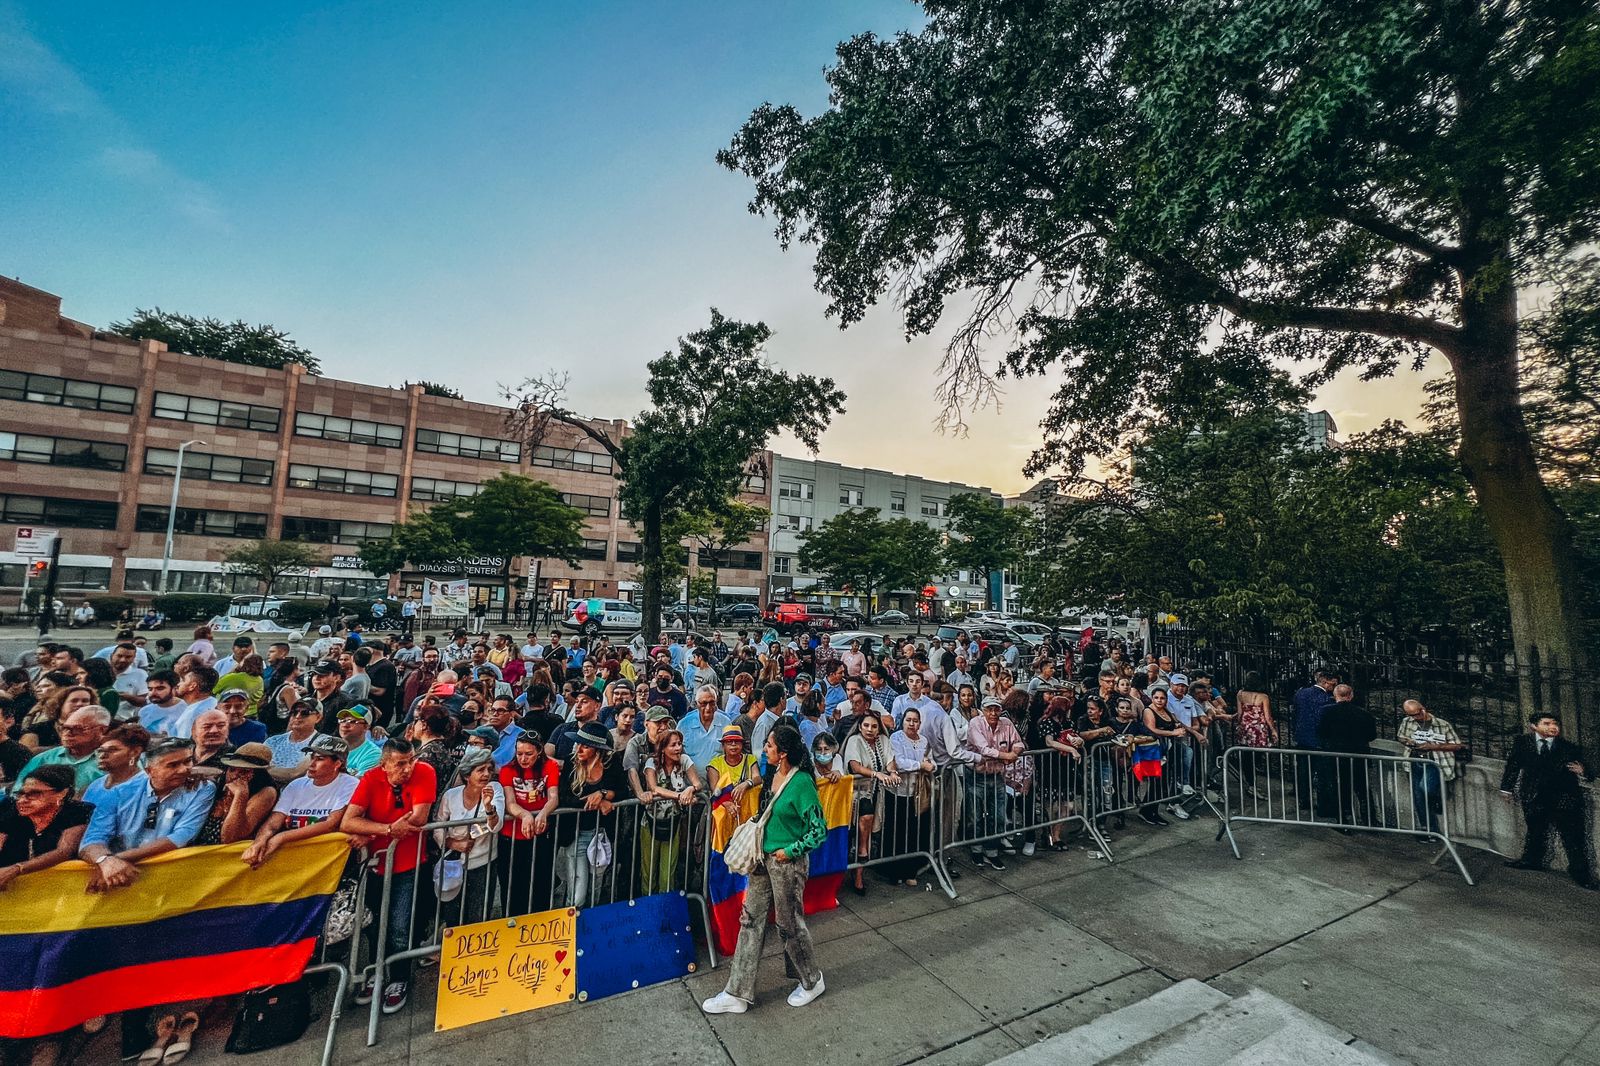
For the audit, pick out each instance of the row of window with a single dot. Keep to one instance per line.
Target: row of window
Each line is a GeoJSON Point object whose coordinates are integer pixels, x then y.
{"type": "Point", "coordinates": [57, 511]}
{"type": "Point", "coordinates": [337, 479]}
{"type": "Point", "coordinates": [66, 392]}
{"type": "Point", "coordinates": [597, 506]}
{"type": "Point", "coordinates": [572, 459]}
{"type": "Point", "coordinates": [855, 496]}
{"type": "Point", "coordinates": [204, 411]}
{"type": "Point", "coordinates": [63, 451]}
{"type": "Point", "coordinates": [207, 467]}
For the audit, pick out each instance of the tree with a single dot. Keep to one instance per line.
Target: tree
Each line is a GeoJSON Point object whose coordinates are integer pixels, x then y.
{"type": "Point", "coordinates": [858, 552]}
{"type": "Point", "coordinates": [510, 515]}
{"type": "Point", "coordinates": [715, 532]}
{"type": "Point", "coordinates": [1153, 195]}
{"type": "Point", "coordinates": [232, 342]}
{"type": "Point", "coordinates": [433, 388]}
{"type": "Point", "coordinates": [268, 561]}
{"type": "Point", "coordinates": [715, 403]}
{"type": "Point", "coordinates": [985, 537]}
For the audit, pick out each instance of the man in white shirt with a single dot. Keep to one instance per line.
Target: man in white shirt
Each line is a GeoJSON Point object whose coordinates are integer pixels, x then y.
{"type": "Point", "coordinates": [162, 707]}
{"type": "Point", "coordinates": [802, 685]}
{"type": "Point", "coordinates": [959, 676]}
{"type": "Point", "coordinates": [194, 689]}
{"type": "Point", "coordinates": [326, 644]}
{"type": "Point", "coordinates": [308, 806]}
{"type": "Point", "coordinates": [532, 649]}
{"type": "Point", "coordinates": [131, 682]}
{"type": "Point", "coordinates": [242, 646]}
{"type": "Point", "coordinates": [914, 696]}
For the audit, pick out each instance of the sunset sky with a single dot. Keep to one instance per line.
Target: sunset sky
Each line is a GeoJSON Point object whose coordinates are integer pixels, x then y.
{"type": "Point", "coordinates": [466, 195]}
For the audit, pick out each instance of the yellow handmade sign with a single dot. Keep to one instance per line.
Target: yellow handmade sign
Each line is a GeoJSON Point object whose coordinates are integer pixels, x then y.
{"type": "Point", "coordinates": [495, 969]}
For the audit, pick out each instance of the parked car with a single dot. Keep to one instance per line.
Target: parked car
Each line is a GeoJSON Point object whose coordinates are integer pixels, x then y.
{"type": "Point", "coordinates": [870, 642]}
{"type": "Point", "coordinates": [1030, 633]}
{"type": "Point", "coordinates": [891, 618]}
{"type": "Point", "coordinates": [681, 611]}
{"type": "Point", "coordinates": [742, 613]}
{"type": "Point", "coordinates": [591, 616]}
{"type": "Point", "coordinates": [255, 606]}
{"type": "Point", "coordinates": [788, 617]}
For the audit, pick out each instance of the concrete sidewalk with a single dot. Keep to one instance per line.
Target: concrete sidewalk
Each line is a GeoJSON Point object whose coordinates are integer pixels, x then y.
{"type": "Point", "coordinates": [1358, 931]}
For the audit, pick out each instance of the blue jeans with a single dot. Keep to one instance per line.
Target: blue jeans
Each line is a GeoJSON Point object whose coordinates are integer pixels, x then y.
{"type": "Point", "coordinates": [402, 892]}
{"type": "Point", "coordinates": [989, 806]}
{"type": "Point", "coordinates": [1427, 794]}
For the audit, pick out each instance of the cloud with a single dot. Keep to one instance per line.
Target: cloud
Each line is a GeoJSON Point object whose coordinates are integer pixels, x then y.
{"type": "Point", "coordinates": [30, 70]}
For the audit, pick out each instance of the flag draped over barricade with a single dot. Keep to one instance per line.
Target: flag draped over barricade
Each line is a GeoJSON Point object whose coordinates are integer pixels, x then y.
{"type": "Point", "coordinates": [725, 889]}
{"type": "Point", "coordinates": [198, 923]}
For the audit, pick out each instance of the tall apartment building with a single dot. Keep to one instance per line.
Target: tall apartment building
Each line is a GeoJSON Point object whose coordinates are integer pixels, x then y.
{"type": "Point", "coordinates": [808, 492]}
{"type": "Point", "coordinates": [90, 426]}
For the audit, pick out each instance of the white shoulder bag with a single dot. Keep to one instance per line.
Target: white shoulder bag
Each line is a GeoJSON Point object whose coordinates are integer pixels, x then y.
{"type": "Point", "coordinates": [743, 853]}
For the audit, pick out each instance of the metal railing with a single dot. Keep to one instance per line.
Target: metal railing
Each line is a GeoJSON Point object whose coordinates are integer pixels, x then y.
{"type": "Point", "coordinates": [1142, 775]}
{"type": "Point", "coordinates": [1348, 792]}
{"type": "Point", "coordinates": [899, 826]}
{"type": "Point", "coordinates": [1045, 790]}
{"type": "Point", "coordinates": [651, 850]}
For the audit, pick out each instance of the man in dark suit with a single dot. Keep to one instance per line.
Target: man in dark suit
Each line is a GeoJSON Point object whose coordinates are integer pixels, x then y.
{"type": "Point", "coordinates": [1546, 772]}
{"type": "Point", "coordinates": [1347, 729]}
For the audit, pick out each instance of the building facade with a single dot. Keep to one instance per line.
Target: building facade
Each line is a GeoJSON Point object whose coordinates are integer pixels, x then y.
{"type": "Point", "coordinates": [90, 430]}
{"type": "Point", "coordinates": [808, 492]}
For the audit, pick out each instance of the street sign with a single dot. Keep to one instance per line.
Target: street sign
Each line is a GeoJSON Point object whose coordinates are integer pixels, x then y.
{"type": "Point", "coordinates": [35, 542]}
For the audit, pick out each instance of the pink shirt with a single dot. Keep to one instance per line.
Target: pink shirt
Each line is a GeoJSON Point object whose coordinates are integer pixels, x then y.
{"type": "Point", "coordinates": [990, 742]}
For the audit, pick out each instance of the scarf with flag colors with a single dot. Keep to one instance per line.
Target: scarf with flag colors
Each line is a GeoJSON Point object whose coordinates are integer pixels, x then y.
{"type": "Point", "coordinates": [198, 923]}
{"type": "Point", "coordinates": [1146, 761]}
{"type": "Point", "coordinates": [725, 889]}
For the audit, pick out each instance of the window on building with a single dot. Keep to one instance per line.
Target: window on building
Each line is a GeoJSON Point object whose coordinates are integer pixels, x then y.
{"type": "Point", "coordinates": [598, 506]}
{"type": "Point", "coordinates": [781, 564]}
{"type": "Point", "coordinates": [593, 549]}
{"type": "Point", "coordinates": [63, 451]}
{"type": "Point", "coordinates": [467, 446]}
{"type": "Point", "coordinates": [335, 479]}
{"type": "Point", "coordinates": [163, 461]}
{"type": "Point", "coordinates": [572, 459]}
{"type": "Point", "coordinates": [850, 496]}
{"type": "Point", "coordinates": [333, 531]}
{"type": "Point", "coordinates": [205, 411]}
{"type": "Point", "coordinates": [756, 483]}
{"type": "Point", "coordinates": [354, 430]}
{"type": "Point", "coordinates": [438, 490]}
{"type": "Point", "coordinates": [627, 551]}
{"type": "Point", "coordinates": [88, 578]}
{"type": "Point", "coordinates": [795, 523]}
{"type": "Point", "coordinates": [200, 522]}
{"type": "Point", "coordinates": [897, 503]}
{"type": "Point", "coordinates": [795, 490]}
{"type": "Point", "coordinates": [66, 392]}
{"type": "Point", "coordinates": [732, 559]}
{"type": "Point", "coordinates": [934, 508]}
{"type": "Point", "coordinates": [57, 511]}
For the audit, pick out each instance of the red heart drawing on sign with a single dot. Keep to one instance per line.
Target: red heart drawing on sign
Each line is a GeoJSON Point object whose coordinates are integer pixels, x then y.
{"type": "Point", "coordinates": [567, 972]}
{"type": "Point", "coordinates": [561, 956]}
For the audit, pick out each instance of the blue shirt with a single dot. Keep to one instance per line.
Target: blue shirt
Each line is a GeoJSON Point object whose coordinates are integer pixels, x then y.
{"type": "Point", "coordinates": [363, 757]}
{"type": "Point", "coordinates": [703, 743]}
{"type": "Point", "coordinates": [248, 731]}
{"type": "Point", "coordinates": [1309, 703]}
{"type": "Point", "coordinates": [836, 695]}
{"type": "Point", "coordinates": [99, 792]}
{"type": "Point", "coordinates": [676, 653]}
{"type": "Point", "coordinates": [506, 750]}
{"type": "Point", "coordinates": [119, 822]}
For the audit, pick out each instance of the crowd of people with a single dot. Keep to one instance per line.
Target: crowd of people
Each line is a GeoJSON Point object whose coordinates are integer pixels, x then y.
{"type": "Point", "coordinates": [568, 770]}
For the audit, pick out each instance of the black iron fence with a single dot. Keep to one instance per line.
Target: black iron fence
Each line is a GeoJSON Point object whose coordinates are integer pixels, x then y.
{"type": "Point", "coordinates": [1486, 696]}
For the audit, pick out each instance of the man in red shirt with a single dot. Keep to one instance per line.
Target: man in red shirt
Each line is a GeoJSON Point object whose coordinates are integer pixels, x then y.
{"type": "Point", "coordinates": [389, 808]}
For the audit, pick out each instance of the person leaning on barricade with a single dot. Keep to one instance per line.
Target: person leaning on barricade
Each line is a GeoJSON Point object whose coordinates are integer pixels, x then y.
{"type": "Point", "coordinates": [308, 806]}
{"type": "Point", "coordinates": [995, 740]}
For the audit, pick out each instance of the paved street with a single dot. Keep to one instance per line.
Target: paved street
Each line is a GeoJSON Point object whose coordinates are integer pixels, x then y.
{"type": "Point", "coordinates": [1360, 932]}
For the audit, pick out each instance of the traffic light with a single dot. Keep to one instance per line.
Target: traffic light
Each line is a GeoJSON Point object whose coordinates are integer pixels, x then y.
{"type": "Point", "coordinates": [38, 568]}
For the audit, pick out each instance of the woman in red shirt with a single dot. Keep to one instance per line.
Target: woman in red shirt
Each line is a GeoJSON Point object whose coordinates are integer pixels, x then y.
{"type": "Point", "coordinates": [525, 863]}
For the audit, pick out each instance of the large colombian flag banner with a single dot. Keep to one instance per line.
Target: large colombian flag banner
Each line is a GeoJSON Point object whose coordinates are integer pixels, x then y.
{"type": "Point", "coordinates": [197, 923]}
{"type": "Point", "coordinates": [725, 889]}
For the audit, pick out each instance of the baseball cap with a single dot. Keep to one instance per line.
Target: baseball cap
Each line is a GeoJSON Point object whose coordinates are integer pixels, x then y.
{"type": "Point", "coordinates": [326, 666]}
{"type": "Point", "coordinates": [803, 677]}
{"type": "Point", "coordinates": [1178, 679]}
{"type": "Point", "coordinates": [485, 733]}
{"type": "Point", "coordinates": [993, 701]}
{"type": "Point", "coordinates": [326, 631]}
{"type": "Point", "coordinates": [659, 714]}
{"type": "Point", "coordinates": [360, 710]}
{"type": "Point", "coordinates": [231, 693]}
{"type": "Point", "coordinates": [323, 744]}
{"type": "Point", "coordinates": [732, 732]}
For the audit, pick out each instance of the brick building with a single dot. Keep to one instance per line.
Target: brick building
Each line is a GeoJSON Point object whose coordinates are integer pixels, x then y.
{"type": "Point", "coordinates": [90, 426]}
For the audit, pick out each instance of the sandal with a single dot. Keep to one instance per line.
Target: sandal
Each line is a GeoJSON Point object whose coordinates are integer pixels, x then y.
{"type": "Point", "coordinates": [183, 1041]}
{"type": "Point", "coordinates": [911, 882]}
{"type": "Point", "coordinates": [165, 1028]}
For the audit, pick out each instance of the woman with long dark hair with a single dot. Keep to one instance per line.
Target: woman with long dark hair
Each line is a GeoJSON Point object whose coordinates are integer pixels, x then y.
{"type": "Point", "coordinates": [795, 827]}
{"type": "Point", "coordinates": [245, 798]}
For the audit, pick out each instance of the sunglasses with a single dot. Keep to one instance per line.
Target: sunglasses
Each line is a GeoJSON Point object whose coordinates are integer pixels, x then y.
{"type": "Point", "coordinates": [303, 713]}
{"type": "Point", "coordinates": [36, 793]}
{"type": "Point", "coordinates": [152, 814]}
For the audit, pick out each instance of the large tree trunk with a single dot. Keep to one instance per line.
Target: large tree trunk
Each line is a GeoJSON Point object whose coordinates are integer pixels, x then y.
{"type": "Point", "coordinates": [1534, 538]}
{"type": "Point", "coordinates": [650, 573]}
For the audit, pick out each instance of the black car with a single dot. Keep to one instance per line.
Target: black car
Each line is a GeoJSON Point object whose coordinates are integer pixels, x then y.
{"type": "Point", "coordinates": [739, 612]}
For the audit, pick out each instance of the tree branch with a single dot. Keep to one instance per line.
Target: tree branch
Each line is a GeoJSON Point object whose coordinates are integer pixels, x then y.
{"type": "Point", "coordinates": [1379, 226]}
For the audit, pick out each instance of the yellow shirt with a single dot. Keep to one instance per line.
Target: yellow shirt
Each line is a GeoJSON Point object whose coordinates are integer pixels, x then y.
{"type": "Point", "coordinates": [729, 775]}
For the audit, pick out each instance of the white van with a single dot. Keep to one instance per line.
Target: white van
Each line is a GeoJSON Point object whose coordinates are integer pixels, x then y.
{"type": "Point", "coordinates": [593, 615]}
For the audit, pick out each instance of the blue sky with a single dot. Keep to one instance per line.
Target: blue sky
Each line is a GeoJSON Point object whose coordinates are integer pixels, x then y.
{"type": "Point", "coordinates": [460, 193]}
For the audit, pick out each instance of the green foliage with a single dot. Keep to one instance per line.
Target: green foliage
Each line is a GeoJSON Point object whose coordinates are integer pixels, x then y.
{"type": "Point", "coordinates": [233, 342]}
{"type": "Point", "coordinates": [433, 388]}
{"type": "Point", "coordinates": [511, 515]}
{"type": "Point", "coordinates": [985, 536]}
{"type": "Point", "coordinates": [714, 532]}
{"type": "Point", "coordinates": [858, 552]}
{"type": "Point", "coordinates": [191, 606]}
{"type": "Point", "coordinates": [298, 612]}
{"type": "Point", "coordinates": [268, 560]}
{"type": "Point", "coordinates": [109, 608]}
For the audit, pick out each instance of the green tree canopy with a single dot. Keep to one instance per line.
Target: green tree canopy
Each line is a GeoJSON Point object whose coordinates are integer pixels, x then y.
{"type": "Point", "coordinates": [985, 536]}
{"type": "Point", "coordinates": [856, 551]}
{"type": "Point", "coordinates": [713, 533]}
{"type": "Point", "coordinates": [1148, 196]}
{"type": "Point", "coordinates": [268, 561]}
{"type": "Point", "coordinates": [433, 388]}
{"type": "Point", "coordinates": [715, 403]}
{"type": "Point", "coordinates": [233, 342]}
{"type": "Point", "coordinates": [511, 515]}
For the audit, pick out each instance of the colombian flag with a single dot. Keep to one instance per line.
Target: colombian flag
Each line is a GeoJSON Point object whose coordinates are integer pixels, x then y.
{"type": "Point", "coordinates": [725, 889]}
{"type": "Point", "coordinates": [197, 923]}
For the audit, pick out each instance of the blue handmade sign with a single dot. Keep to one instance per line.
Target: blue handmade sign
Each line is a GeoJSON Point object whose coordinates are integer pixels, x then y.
{"type": "Point", "coordinates": [632, 944]}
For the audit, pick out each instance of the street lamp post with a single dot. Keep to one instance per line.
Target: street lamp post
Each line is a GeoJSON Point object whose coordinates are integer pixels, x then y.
{"type": "Point", "coordinates": [172, 514]}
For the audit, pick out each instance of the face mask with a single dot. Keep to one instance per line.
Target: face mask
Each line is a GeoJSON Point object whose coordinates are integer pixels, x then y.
{"type": "Point", "coordinates": [663, 684]}
{"type": "Point", "coordinates": [824, 758]}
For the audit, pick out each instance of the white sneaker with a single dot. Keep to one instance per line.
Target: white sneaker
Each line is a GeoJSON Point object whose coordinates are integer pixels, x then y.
{"type": "Point", "coordinates": [1187, 790]}
{"type": "Point", "coordinates": [803, 995]}
{"type": "Point", "coordinates": [1027, 849]}
{"type": "Point", "coordinates": [1179, 813]}
{"type": "Point", "coordinates": [725, 1002]}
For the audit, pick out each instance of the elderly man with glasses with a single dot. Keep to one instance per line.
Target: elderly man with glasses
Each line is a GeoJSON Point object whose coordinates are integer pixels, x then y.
{"type": "Point", "coordinates": [81, 734]}
{"type": "Point", "coordinates": [147, 816]}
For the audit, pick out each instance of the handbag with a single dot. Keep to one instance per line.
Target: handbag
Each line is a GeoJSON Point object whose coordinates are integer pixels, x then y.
{"type": "Point", "coordinates": [743, 853]}
{"type": "Point", "coordinates": [341, 921]}
{"type": "Point", "coordinates": [599, 851]}
{"type": "Point", "coordinates": [270, 1017]}
{"type": "Point", "coordinates": [448, 875]}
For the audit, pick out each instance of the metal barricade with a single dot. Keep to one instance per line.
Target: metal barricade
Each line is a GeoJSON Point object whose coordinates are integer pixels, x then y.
{"type": "Point", "coordinates": [898, 826]}
{"type": "Point", "coordinates": [1043, 792]}
{"type": "Point", "coordinates": [1348, 792]}
{"type": "Point", "coordinates": [646, 850]}
{"type": "Point", "coordinates": [1140, 775]}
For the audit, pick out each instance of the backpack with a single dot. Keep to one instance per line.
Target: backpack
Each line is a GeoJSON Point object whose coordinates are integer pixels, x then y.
{"type": "Point", "coordinates": [270, 1017]}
